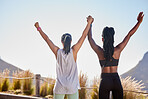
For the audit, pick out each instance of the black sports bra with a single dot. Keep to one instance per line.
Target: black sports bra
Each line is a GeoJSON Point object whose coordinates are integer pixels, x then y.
{"type": "Point", "coordinates": [112, 62]}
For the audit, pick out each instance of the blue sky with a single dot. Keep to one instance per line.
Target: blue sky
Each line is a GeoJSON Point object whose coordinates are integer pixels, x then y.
{"type": "Point", "coordinates": [22, 46]}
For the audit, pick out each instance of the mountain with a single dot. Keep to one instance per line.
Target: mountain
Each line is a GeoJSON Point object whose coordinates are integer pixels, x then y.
{"type": "Point", "coordinates": [140, 71]}
{"type": "Point", "coordinates": [4, 65]}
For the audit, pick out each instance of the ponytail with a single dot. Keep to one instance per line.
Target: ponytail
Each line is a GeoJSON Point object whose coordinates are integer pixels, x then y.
{"type": "Point", "coordinates": [66, 40]}
{"type": "Point", "coordinates": [108, 45]}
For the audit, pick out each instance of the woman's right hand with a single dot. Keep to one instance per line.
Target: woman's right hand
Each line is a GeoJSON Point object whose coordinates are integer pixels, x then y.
{"type": "Point", "coordinates": [140, 17]}
{"type": "Point", "coordinates": [90, 19]}
{"type": "Point", "coordinates": [36, 24]}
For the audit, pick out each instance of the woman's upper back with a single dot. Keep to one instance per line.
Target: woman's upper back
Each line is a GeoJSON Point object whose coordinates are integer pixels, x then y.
{"type": "Point", "coordinates": [112, 62]}
{"type": "Point", "coordinates": [67, 73]}
{"type": "Point", "coordinates": [66, 67]}
{"type": "Point", "coordinates": [65, 61]}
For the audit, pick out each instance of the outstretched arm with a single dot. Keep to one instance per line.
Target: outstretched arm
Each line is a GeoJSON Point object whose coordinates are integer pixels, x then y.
{"type": "Point", "coordinates": [122, 45]}
{"type": "Point", "coordinates": [78, 45]}
{"type": "Point", "coordinates": [46, 38]}
{"type": "Point", "coordinates": [92, 43]}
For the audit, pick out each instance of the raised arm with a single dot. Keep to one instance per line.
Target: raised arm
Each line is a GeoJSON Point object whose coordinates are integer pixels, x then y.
{"type": "Point", "coordinates": [122, 45]}
{"type": "Point", "coordinates": [92, 43]}
{"type": "Point", "coordinates": [78, 45]}
{"type": "Point", "coordinates": [46, 38]}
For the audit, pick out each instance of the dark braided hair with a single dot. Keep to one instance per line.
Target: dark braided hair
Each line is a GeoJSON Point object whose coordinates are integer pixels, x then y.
{"type": "Point", "coordinates": [66, 39]}
{"type": "Point", "coordinates": [108, 45]}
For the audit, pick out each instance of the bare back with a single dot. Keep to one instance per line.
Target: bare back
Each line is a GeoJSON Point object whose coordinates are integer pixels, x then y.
{"type": "Point", "coordinates": [109, 69]}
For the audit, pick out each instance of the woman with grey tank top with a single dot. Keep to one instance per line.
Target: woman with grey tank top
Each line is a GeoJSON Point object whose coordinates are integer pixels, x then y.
{"type": "Point", "coordinates": [67, 82]}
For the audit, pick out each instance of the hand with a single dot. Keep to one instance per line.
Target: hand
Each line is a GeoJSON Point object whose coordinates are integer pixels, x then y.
{"type": "Point", "coordinates": [36, 24]}
{"type": "Point", "coordinates": [140, 17]}
{"type": "Point", "coordinates": [90, 19]}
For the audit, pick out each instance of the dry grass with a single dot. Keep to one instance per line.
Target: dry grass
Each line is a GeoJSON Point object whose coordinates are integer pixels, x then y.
{"type": "Point", "coordinates": [16, 82]}
{"type": "Point", "coordinates": [50, 87]}
{"type": "Point", "coordinates": [43, 90]}
{"type": "Point", "coordinates": [5, 81]}
{"type": "Point", "coordinates": [94, 94]}
{"type": "Point", "coordinates": [83, 83]}
{"type": "Point", "coordinates": [0, 81]}
{"type": "Point", "coordinates": [27, 83]}
{"type": "Point", "coordinates": [128, 83]}
{"type": "Point", "coordinates": [47, 88]}
{"type": "Point", "coordinates": [133, 85]}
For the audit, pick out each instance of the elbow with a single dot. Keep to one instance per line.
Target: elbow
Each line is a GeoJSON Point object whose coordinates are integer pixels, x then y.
{"type": "Point", "coordinates": [129, 34]}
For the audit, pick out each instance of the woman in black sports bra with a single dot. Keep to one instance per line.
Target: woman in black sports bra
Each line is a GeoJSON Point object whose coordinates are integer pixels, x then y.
{"type": "Point", "coordinates": [109, 58]}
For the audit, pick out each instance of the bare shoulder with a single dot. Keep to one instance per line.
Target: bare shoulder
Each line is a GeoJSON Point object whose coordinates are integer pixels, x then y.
{"type": "Point", "coordinates": [117, 52]}
{"type": "Point", "coordinates": [100, 53]}
{"type": "Point", "coordinates": [98, 49]}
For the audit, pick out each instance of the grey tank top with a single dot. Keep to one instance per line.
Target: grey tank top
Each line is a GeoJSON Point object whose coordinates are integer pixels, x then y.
{"type": "Point", "coordinates": [67, 81]}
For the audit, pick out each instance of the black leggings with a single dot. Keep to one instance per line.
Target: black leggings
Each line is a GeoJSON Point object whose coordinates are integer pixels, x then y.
{"type": "Point", "coordinates": [110, 82]}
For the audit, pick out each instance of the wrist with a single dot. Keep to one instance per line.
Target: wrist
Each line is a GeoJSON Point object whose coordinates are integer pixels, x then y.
{"type": "Point", "coordinates": [138, 22]}
{"type": "Point", "coordinates": [38, 28]}
{"type": "Point", "coordinates": [89, 23]}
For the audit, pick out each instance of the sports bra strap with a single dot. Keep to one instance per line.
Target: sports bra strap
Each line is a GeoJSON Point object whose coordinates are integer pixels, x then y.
{"type": "Point", "coordinates": [112, 62]}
